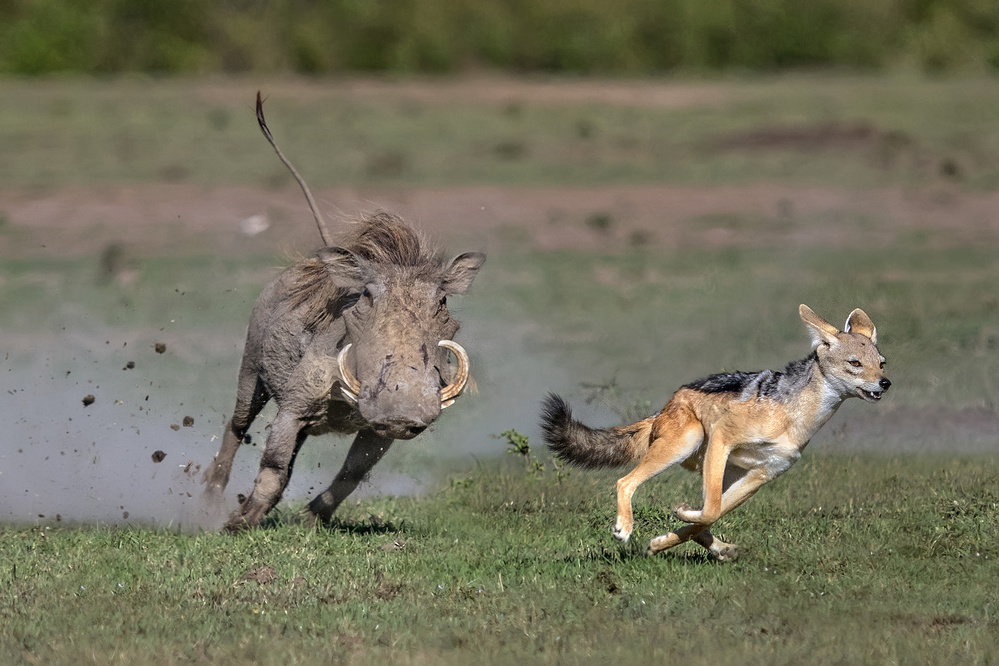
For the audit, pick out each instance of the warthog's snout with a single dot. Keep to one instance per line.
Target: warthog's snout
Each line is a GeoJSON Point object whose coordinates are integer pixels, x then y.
{"type": "Point", "coordinates": [399, 429]}
{"type": "Point", "coordinates": [404, 407]}
{"type": "Point", "coordinates": [402, 403]}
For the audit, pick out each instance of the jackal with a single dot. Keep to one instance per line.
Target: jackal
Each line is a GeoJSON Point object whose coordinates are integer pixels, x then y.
{"type": "Point", "coordinates": [738, 430]}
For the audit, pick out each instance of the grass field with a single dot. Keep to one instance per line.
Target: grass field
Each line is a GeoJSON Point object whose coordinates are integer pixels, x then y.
{"type": "Point", "coordinates": [862, 559]}
{"type": "Point", "coordinates": [640, 235]}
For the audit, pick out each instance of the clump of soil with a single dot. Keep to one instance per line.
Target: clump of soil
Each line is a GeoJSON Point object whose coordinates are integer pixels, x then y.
{"type": "Point", "coordinates": [262, 575]}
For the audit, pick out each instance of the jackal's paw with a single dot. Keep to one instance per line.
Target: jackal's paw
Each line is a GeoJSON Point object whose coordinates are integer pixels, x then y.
{"type": "Point", "coordinates": [726, 553]}
{"type": "Point", "coordinates": [685, 513]}
{"type": "Point", "coordinates": [622, 533]}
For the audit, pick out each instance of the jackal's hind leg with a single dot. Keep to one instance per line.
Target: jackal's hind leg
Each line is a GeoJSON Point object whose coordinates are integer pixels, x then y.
{"type": "Point", "coordinates": [723, 552]}
{"type": "Point", "coordinates": [673, 539]}
{"type": "Point", "coordinates": [680, 440]}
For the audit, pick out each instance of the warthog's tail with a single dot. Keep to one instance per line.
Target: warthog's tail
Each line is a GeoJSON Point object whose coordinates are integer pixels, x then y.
{"type": "Point", "coordinates": [581, 445]}
{"type": "Point", "coordinates": [320, 221]}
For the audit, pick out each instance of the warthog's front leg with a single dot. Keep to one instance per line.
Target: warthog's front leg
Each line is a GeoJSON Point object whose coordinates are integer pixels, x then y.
{"type": "Point", "coordinates": [367, 449]}
{"type": "Point", "coordinates": [275, 468]}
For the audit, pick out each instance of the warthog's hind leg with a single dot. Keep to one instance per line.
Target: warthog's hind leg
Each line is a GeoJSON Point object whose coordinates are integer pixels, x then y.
{"type": "Point", "coordinates": [250, 399]}
{"type": "Point", "coordinates": [367, 449]}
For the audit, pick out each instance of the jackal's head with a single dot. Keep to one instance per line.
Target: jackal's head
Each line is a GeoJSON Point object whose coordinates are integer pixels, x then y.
{"type": "Point", "coordinates": [849, 359]}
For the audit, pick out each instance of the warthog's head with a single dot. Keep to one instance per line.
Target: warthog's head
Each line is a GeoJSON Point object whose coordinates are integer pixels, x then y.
{"type": "Point", "coordinates": [394, 362]}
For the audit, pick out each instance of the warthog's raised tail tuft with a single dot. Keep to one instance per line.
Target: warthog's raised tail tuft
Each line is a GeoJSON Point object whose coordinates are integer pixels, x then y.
{"type": "Point", "coordinates": [580, 445]}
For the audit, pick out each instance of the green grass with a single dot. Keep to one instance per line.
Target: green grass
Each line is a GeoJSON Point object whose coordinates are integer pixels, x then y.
{"type": "Point", "coordinates": [93, 131]}
{"type": "Point", "coordinates": [866, 559]}
{"type": "Point", "coordinates": [849, 559]}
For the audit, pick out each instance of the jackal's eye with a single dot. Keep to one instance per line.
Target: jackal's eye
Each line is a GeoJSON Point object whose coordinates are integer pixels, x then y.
{"type": "Point", "coordinates": [855, 363]}
{"type": "Point", "coordinates": [882, 365]}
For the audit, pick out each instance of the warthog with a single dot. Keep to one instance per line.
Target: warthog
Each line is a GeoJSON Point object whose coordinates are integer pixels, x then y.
{"type": "Point", "coordinates": [353, 340]}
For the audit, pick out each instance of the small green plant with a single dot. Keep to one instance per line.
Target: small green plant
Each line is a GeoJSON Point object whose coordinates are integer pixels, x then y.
{"type": "Point", "coordinates": [520, 445]}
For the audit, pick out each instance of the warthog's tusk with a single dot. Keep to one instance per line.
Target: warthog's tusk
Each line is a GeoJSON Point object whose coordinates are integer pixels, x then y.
{"type": "Point", "coordinates": [349, 385]}
{"type": "Point", "coordinates": [454, 389]}
{"type": "Point", "coordinates": [351, 388]}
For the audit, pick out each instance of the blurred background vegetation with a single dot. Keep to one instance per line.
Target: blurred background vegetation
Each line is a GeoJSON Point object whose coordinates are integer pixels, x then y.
{"type": "Point", "coordinates": [626, 37]}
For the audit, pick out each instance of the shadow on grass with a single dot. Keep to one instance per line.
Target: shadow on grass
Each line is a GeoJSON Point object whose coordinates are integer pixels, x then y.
{"type": "Point", "coordinates": [636, 551]}
{"type": "Point", "coordinates": [371, 525]}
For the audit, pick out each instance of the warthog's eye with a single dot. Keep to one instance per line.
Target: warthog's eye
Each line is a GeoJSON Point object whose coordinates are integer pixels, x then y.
{"type": "Point", "coordinates": [441, 306]}
{"type": "Point", "coordinates": [855, 363]}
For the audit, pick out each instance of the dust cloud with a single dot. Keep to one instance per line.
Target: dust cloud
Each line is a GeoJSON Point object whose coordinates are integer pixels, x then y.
{"type": "Point", "coordinates": [117, 431]}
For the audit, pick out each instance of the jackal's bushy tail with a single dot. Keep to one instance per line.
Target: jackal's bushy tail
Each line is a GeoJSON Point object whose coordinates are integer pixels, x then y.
{"type": "Point", "coordinates": [581, 445]}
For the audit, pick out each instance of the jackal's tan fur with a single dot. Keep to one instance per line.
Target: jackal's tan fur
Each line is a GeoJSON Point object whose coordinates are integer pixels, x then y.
{"type": "Point", "coordinates": [738, 430]}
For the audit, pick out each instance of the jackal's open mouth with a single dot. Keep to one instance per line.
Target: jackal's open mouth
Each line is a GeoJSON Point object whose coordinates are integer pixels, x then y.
{"type": "Point", "coordinates": [872, 396]}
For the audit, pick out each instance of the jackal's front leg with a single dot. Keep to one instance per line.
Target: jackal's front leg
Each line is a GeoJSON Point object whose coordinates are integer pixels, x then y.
{"type": "Point", "coordinates": [723, 552]}
{"type": "Point", "coordinates": [739, 486]}
{"type": "Point", "coordinates": [713, 473]}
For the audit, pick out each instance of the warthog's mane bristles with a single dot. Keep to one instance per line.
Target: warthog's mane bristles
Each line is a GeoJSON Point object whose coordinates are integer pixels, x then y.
{"type": "Point", "coordinates": [380, 238]}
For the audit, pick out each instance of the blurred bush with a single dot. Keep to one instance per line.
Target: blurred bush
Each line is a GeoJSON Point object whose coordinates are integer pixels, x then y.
{"type": "Point", "coordinates": [579, 36]}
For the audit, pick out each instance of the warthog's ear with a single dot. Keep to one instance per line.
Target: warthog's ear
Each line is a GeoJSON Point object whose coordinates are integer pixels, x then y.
{"type": "Point", "coordinates": [463, 269]}
{"type": "Point", "coordinates": [822, 331]}
{"type": "Point", "coordinates": [859, 322]}
{"type": "Point", "coordinates": [346, 269]}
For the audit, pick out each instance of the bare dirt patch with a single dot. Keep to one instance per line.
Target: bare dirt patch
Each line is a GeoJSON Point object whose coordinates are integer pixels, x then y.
{"type": "Point", "coordinates": [483, 89]}
{"type": "Point", "coordinates": [171, 218]}
{"type": "Point", "coordinates": [814, 137]}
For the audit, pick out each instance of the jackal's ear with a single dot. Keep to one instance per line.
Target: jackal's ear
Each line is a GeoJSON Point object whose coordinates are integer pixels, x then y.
{"type": "Point", "coordinates": [859, 322]}
{"type": "Point", "coordinates": [822, 331]}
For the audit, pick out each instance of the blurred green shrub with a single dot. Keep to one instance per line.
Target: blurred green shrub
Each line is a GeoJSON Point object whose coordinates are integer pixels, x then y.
{"type": "Point", "coordinates": [579, 36]}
